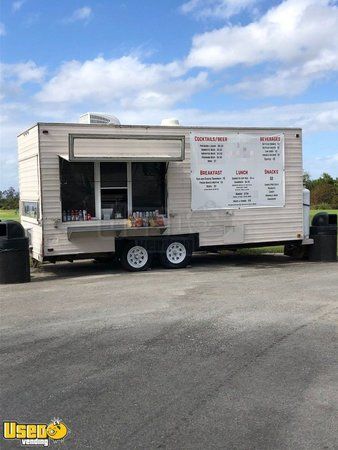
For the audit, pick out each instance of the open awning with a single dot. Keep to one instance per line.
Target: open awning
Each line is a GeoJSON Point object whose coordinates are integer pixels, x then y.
{"type": "Point", "coordinates": [101, 147]}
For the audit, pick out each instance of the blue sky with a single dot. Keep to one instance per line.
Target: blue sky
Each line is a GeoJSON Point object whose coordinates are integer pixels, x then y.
{"type": "Point", "coordinates": [206, 62]}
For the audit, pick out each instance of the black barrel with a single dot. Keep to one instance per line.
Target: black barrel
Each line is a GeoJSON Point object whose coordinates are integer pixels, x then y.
{"type": "Point", "coordinates": [14, 253]}
{"type": "Point", "coordinates": [324, 233]}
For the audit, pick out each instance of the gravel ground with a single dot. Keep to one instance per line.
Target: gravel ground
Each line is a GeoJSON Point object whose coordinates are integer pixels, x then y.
{"type": "Point", "coordinates": [235, 352]}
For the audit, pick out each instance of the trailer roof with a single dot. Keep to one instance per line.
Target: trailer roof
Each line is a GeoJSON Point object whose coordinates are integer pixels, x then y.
{"type": "Point", "coordinates": [180, 127]}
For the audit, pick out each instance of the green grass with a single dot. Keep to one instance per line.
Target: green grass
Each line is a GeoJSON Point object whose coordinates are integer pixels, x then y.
{"type": "Point", "coordinates": [9, 214]}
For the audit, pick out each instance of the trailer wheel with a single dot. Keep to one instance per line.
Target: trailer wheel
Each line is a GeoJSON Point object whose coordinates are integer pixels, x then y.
{"type": "Point", "coordinates": [296, 251]}
{"type": "Point", "coordinates": [135, 257]}
{"type": "Point", "coordinates": [35, 263]}
{"type": "Point", "coordinates": [176, 255]}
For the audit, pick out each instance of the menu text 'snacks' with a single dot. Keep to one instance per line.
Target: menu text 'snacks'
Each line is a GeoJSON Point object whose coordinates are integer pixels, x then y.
{"type": "Point", "coordinates": [237, 170]}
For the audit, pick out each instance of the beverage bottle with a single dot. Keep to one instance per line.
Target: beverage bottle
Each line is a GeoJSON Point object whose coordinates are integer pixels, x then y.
{"type": "Point", "coordinates": [84, 214]}
{"type": "Point", "coordinates": [64, 216]}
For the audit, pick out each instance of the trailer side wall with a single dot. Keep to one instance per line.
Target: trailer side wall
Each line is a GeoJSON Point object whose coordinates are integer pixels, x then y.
{"type": "Point", "coordinates": [218, 227]}
{"type": "Point", "coordinates": [30, 188]}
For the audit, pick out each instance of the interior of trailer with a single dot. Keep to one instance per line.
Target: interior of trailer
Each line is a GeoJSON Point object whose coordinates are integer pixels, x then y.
{"type": "Point", "coordinates": [116, 182]}
{"type": "Point", "coordinates": [109, 191]}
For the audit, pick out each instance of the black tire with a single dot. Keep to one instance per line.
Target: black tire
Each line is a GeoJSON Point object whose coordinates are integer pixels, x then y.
{"type": "Point", "coordinates": [35, 263]}
{"type": "Point", "coordinates": [181, 259]}
{"type": "Point", "coordinates": [296, 251]}
{"type": "Point", "coordinates": [142, 258]}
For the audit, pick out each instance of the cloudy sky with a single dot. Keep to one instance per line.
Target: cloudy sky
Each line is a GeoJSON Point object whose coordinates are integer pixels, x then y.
{"type": "Point", "coordinates": [206, 62]}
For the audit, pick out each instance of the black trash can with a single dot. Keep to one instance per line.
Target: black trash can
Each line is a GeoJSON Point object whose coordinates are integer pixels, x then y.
{"type": "Point", "coordinates": [14, 253]}
{"type": "Point", "coordinates": [324, 233]}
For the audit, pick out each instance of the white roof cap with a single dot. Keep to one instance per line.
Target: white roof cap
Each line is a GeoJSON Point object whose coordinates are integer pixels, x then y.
{"type": "Point", "coordinates": [99, 118]}
{"type": "Point", "coordinates": [172, 122]}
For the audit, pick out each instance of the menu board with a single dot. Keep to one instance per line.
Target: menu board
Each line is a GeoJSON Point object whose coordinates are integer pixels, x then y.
{"type": "Point", "coordinates": [236, 170]}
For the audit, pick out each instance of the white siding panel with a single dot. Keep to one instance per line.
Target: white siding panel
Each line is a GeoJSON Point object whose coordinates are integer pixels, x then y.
{"type": "Point", "coordinates": [28, 143]}
{"type": "Point", "coordinates": [29, 179]}
{"type": "Point", "coordinates": [29, 185]}
{"type": "Point", "coordinates": [28, 156]}
{"type": "Point", "coordinates": [127, 148]}
{"type": "Point", "coordinates": [34, 232]}
{"type": "Point", "coordinates": [257, 224]}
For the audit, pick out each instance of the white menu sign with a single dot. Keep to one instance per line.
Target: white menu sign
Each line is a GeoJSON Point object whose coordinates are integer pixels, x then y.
{"type": "Point", "coordinates": [236, 170]}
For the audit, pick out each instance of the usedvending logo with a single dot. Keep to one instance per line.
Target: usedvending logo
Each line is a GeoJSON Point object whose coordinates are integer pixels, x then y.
{"type": "Point", "coordinates": [35, 434]}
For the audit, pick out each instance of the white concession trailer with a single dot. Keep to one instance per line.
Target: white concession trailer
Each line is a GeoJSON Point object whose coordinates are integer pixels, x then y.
{"type": "Point", "coordinates": [91, 190]}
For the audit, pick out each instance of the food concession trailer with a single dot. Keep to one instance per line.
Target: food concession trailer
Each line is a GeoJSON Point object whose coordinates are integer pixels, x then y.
{"type": "Point", "coordinates": [89, 190]}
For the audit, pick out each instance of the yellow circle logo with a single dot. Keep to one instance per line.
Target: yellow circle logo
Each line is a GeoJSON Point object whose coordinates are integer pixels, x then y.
{"type": "Point", "coordinates": [57, 430]}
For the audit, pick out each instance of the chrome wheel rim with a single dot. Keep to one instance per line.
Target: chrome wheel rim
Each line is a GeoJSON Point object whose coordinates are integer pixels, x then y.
{"type": "Point", "coordinates": [137, 257]}
{"type": "Point", "coordinates": [176, 253]}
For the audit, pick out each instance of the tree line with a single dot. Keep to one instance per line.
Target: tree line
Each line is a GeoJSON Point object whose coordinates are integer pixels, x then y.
{"type": "Point", "coordinates": [9, 199]}
{"type": "Point", "coordinates": [324, 193]}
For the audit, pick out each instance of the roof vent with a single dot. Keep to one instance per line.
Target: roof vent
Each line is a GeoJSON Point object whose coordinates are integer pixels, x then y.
{"type": "Point", "coordinates": [99, 118]}
{"type": "Point", "coordinates": [170, 123]}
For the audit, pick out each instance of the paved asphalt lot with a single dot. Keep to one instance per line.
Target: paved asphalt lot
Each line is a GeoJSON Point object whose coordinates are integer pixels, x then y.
{"type": "Point", "coordinates": [232, 353]}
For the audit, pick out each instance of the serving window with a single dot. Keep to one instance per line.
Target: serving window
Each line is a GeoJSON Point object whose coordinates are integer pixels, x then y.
{"type": "Point", "coordinates": [77, 190]}
{"type": "Point", "coordinates": [148, 186]}
{"type": "Point", "coordinates": [112, 190]}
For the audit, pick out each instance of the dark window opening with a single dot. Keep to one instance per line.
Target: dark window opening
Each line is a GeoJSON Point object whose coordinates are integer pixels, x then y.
{"type": "Point", "coordinates": [114, 193]}
{"type": "Point", "coordinates": [3, 229]}
{"type": "Point", "coordinates": [114, 203]}
{"type": "Point", "coordinates": [148, 186]}
{"type": "Point", "coordinates": [77, 190]}
{"type": "Point", "coordinates": [113, 174]}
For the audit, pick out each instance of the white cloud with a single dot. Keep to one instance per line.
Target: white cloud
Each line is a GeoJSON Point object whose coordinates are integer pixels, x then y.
{"type": "Point", "coordinates": [14, 76]}
{"type": "Point", "coordinates": [126, 81]}
{"type": "Point", "coordinates": [16, 6]}
{"type": "Point", "coordinates": [315, 117]}
{"type": "Point", "coordinates": [11, 122]}
{"type": "Point", "coordinates": [79, 15]}
{"type": "Point", "coordinates": [23, 72]}
{"type": "Point", "coordinates": [312, 117]}
{"type": "Point", "coordinates": [288, 82]}
{"type": "Point", "coordinates": [328, 164]}
{"type": "Point", "coordinates": [295, 43]}
{"type": "Point", "coordinates": [2, 29]}
{"type": "Point", "coordinates": [300, 36]}
{"type": "Point", "coordinates": [219, 9]}
{"type": "Point", "coordinates": [294, 31]}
